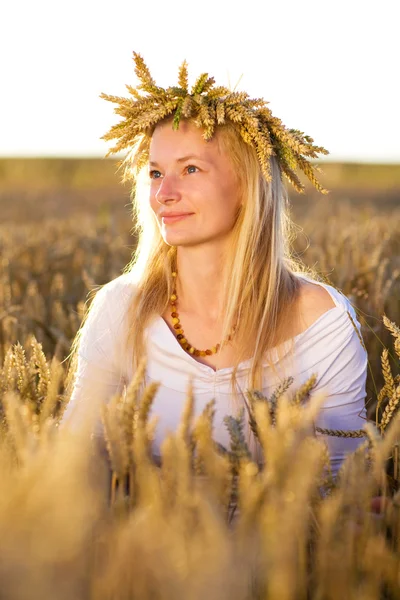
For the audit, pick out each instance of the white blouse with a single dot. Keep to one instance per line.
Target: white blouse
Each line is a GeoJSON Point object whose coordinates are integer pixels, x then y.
{"type": "Point", "coordinates": [330, 348]}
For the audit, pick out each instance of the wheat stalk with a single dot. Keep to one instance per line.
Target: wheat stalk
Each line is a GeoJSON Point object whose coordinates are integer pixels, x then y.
{"type": "Point", "coordinates": [349, 433]}
{"type": "Point", "coordinates": [390, 409]}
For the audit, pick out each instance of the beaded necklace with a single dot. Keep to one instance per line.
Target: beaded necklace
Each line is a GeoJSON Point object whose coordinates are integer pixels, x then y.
{"type": "Point", "coordinates": [179, 331]}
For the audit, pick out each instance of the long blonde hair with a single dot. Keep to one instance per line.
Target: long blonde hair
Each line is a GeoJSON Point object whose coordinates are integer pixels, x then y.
{"type": "Point", "coordinates": [259, 275]}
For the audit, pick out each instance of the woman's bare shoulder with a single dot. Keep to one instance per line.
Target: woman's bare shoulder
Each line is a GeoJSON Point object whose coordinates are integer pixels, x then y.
{"type": "Point", "coordinates": [314, 300]}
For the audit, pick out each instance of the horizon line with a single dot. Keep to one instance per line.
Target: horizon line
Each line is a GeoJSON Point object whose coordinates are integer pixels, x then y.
{"type": "Point", "coordinates": [394, 162]}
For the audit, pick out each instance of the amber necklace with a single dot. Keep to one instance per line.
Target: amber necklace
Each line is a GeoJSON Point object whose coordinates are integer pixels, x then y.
{"type": "Point", "coordinates": [179, 331]}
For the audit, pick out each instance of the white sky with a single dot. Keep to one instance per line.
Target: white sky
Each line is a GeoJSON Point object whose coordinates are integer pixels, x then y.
{"type": "Point", "coordinates": [328, 67]}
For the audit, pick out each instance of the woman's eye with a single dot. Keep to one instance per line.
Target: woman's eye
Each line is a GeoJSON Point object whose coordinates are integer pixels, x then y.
{"type": "Point", "coordinates": [152, 173]}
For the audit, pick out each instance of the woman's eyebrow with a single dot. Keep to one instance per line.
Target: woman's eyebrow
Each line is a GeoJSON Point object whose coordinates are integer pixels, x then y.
{"type": "Point", "coordinates": [180, 160]}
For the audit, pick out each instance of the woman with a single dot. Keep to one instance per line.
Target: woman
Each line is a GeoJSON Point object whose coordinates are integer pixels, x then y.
{"type": "Point", "coordinates": [212, 294]}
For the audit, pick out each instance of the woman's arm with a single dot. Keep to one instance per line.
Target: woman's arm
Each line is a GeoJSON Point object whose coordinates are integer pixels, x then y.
{"type": "Point", "coordinates": [98, 375]}
{"type": "Point", "coordinates": [343, 378]}
{"type": "Point", "coordinates": [333, 350]}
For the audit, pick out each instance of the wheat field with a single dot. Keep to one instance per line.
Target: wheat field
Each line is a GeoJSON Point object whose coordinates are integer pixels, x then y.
{"type": "Point", "coordinates": [78, 522]}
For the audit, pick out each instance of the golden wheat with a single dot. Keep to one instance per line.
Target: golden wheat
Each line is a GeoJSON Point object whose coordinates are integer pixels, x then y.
{"type": "Point", "coordinates": [201, 520]}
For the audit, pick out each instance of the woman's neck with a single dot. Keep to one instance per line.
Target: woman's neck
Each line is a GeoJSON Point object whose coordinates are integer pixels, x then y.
{"type": "Point", "coordinates": [199, 284]}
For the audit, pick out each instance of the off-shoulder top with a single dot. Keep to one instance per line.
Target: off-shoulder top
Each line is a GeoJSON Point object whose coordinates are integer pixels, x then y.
{"type": "Point", "coordinates": [330, 348]}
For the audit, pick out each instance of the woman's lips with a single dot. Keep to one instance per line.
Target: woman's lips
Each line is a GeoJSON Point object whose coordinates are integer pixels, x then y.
{"type": "Point", "coordinates": [174, 219]}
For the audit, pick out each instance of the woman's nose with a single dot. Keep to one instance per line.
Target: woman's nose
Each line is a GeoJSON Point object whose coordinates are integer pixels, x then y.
{"type": "Point", "coordinates": [168, 189]}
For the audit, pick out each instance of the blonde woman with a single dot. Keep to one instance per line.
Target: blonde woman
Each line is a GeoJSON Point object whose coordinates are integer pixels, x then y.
{"type": "Point", "coordinates": [212, 294]}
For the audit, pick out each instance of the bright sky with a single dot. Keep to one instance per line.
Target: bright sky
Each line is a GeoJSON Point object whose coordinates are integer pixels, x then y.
{"type": "Point", "coordinates": [328, 67]}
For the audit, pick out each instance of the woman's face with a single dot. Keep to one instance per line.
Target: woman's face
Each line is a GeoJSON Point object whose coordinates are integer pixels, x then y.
{"type": "Point", "coordinates": [191, 176]}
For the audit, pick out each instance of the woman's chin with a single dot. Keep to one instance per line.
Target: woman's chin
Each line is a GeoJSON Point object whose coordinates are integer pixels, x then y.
{"type": "Point", "coordinates": [175, 239]}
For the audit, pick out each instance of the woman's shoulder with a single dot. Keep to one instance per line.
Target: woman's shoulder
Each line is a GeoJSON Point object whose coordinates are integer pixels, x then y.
{"type": "Point", "coordinates": [104, 320]}
{"type": "Point", "coordinates": [326, 314]}
{"type": "Point", "coordinates": [317, 297]}
{"type": "Point", "coordinates": [330, 338]}
{"type": "Point", "coordinates": [115, 293]}
{"type": "Point", "coordinates": [110, 301]}
{"type": "Point", "coordinates": [121, 285]}
{"type": "Point", "coordinates": [314, 301]}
